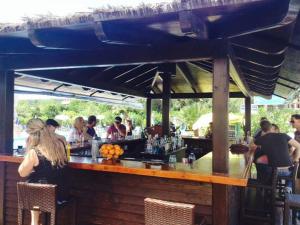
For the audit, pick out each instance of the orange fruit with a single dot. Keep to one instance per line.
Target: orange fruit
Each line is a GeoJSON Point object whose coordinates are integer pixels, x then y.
{"type": "Point", "coordinates": [105, 151]}
{"type": "Point", "coordinates": [111, 151]}
{"type": "Point", "coordinates": [117, 151]}
{"type": "Point", "coordinates": [109, 156]}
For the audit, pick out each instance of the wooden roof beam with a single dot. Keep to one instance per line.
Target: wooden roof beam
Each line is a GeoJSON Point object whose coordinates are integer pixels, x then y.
{"type": "Point", "coordinates": [261, 78]}
{"type": "Point", "coordinates": [244, 65]}
{"type": "Point", "coordinates": [272, 61]}
{"type": "Point", "coordinates": [195, 95]}
{"type": "Point", "coordinates": [100, 86]}
{"type": "Point", "coordinates": [291, 81]}
{"type": "Point", "coordinates": [287, 86]}
{"type": "Point", "coordinates": [109, 74]}
{"type": "Point", "coordinates": [63, 38]}
{"type": "Point", "coordinates": [237, 75]}
{"type": "Point", "coordinates": [265, 85]}
{"type": "Point", "coordinates": [137, 77]}
{"type": "Point", "coordinates": [127, 72]}
{"type": "Point", "coordinates": [112, 56]}
{"type": "Point", "coordinates": [186, 73]}
{"type": "Point", "coordinates": [256, 43]}
{"type": "Point", "coordinates": [202, 67]}
{"type": "Point", "coordinates": [279, 96]}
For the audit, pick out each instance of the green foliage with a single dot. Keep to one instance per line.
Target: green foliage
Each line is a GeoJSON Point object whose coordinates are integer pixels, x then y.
{"type": "Point", "coordinates": [44, 109]}
{"type": "Point", "coordinates": [186, 111]}
{"type": "Point", "coordinates": [280, 117]}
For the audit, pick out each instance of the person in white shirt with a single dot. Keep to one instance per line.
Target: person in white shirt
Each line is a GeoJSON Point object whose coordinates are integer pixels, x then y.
{"type": "Point", "coordinates": [78, 132]}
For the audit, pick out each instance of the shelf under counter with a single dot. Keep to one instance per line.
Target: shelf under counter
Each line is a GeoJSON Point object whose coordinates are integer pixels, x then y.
{"type": "Point", "coordinates": [201, 170]}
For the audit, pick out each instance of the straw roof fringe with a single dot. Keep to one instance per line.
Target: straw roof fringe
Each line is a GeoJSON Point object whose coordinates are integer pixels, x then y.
{"type": "Point", "coordinates": [116, 12]}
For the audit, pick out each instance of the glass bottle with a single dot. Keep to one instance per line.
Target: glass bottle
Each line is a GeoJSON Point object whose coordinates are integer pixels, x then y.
{"type": "Point", "coordinates": [191, 158]}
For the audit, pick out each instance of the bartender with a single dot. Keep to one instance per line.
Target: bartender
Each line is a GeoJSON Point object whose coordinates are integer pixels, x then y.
{"type": "Point", "coordinates": [129, 127]}
{"type": "Point", "coordinates": [116, 128]}
{"type": "Point", "coordinates": [92, 122]}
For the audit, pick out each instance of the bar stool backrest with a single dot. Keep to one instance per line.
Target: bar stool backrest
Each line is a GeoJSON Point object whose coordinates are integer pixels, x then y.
{"type": "Point", "coordinates": [282, 182]}
{"type": "Point", "coordinates": [159, 212]}
{"type": "Point", "coordinates": [32, 195]}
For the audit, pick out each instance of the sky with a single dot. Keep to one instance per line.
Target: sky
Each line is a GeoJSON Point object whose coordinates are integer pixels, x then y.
{"type": "Point", "coordinates": [273, 101]}
{"type": "Point", "coordinates": [13, 11]}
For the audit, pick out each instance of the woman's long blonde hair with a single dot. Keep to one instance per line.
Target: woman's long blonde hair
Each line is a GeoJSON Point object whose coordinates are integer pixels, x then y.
{"type": "Point", "coordinates": [46, 142]}
{"type": "Point", "coordinates": [79, 123]}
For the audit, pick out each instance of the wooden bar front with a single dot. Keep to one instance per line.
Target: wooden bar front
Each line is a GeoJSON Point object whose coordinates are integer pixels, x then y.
{"type": "Point", "coordinates": [114, 194]}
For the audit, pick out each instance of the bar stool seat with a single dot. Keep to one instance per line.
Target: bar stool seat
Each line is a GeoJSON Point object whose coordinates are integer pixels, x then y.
{"type": "Point", "coordinates": [42, 197]}
{"type": "Point", "coordinates": [158, 212]}
{"type": "Point", "coordinates": [292, 201]}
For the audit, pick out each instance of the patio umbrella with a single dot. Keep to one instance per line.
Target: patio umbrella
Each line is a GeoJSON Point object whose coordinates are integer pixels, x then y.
{"type": "Point", "coordinates": [62, 117]}
{"type": "Point", "coordinates": [205, 119]}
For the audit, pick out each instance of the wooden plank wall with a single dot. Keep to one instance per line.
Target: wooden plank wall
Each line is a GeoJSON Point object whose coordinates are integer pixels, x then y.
{"type": "Point", "coordinates": [116, 199]}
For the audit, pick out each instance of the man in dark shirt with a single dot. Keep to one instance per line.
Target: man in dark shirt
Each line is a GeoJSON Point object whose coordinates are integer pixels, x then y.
{"type": "Point", "coordinates": [275, 147]}
{"type": "Point", "coordinates": [259, 132]}
{"type": "Point", "coordinates": [295, 122]}
{"type": "Point", "coordinates": [92, 121]}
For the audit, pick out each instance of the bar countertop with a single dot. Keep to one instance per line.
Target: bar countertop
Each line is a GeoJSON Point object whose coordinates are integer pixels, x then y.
{"type": "Point", "coordinates": [201, 170]}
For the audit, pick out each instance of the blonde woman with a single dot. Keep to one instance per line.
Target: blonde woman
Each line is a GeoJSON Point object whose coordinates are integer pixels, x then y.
{"type": "Point", "coordinates": [79, 131]}
{"type": "Point", "coordinates": [45, 159]}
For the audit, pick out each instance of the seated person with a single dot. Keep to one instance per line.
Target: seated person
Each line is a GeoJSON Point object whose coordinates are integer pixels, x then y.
{"type": "Point", "coordinates": [275, 147]}
{"type": "Point", "coordinates": [52, 125]}
{"type": "Point", "coordinates": [259, 132]}
{"type": "Point", "coordinates": [275, 128]}
{"type": "Point", "coordinates": [79, 131]}
{"type": "Point", "coordinates": [295, 122]}
{"type": "Point", "coordinates": [45, 160]}
{"type": "Point", "coordinates": [91, 123]}
{"type": "Point", "coordinates": [117, 128]}
{"type": "Point", "coordinates": [155, 130]}
{"type": "Point", "coordinates": [129, 127]}
{"type": "Point", "coordinates": [208, 132]}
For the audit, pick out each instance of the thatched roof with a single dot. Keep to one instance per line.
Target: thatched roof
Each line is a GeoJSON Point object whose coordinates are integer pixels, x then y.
{"type": "Point", "coordinates": [124, 49]}
{"type": "Point", "coordinates": [110, 12]}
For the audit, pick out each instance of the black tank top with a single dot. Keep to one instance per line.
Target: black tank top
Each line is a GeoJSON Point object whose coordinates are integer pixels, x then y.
{"type": "Point", "coordinates": [46, 173]}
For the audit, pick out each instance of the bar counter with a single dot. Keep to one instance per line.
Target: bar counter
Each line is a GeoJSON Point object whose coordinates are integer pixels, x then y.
{"type": "Point", "coordinates": [201, 171]}
{"type": "Point", "coordinates": [114, 194]}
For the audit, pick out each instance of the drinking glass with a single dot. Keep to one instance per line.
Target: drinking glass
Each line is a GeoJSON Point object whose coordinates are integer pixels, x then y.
{"type": "Point", "coordinates": [191, 159]}
{"type": "Point", "coordinates": [172, 161]}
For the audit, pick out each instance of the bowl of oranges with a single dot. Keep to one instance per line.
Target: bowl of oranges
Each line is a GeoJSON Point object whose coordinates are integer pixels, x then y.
{"type": "Point", "coordinates": [111, 152]}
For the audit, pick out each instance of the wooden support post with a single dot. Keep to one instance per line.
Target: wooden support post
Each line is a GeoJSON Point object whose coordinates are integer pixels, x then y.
{"type": "Point", "coordinates": [166, 103]}
{"type": "Point", "coordinates": [220, 138]}
{"type": "Point", "coordinates": [247, 115]}
{"type": "Point", "coordinates": [7, 111]}
{"type": "Point", "coordinates": [2, 192]}
{"type": "Point", "coordinates": [148, 112]}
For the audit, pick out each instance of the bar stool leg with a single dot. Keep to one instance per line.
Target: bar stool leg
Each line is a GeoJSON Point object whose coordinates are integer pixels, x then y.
{"type": "Point", "coordinates": [286, 220]}
{"type": "Point", "coordinates": [73, 214]}
{"type": "Point", "coordinates": [294, 216]}
{"type": "Point", "coordinates": [35, 216]}
{"type": "Point", "coordinates": [20, 216]}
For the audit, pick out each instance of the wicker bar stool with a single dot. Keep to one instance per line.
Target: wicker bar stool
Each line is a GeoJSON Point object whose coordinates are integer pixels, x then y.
{"type": "Point", "coordinates": [292, 201]}
{"type": "Point", "coordinates": [42, 198]}
{"type": "Point", "coordinates": [158, 212]}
